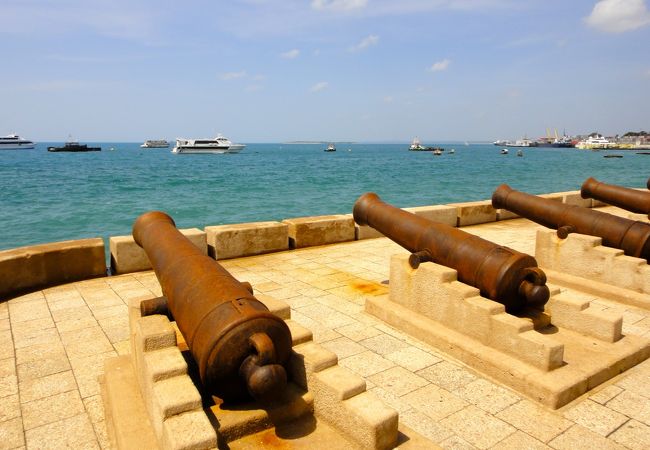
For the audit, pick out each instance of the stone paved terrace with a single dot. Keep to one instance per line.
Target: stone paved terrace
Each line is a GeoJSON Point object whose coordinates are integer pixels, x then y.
{"type": "Point", "coordinates": [53, 343]}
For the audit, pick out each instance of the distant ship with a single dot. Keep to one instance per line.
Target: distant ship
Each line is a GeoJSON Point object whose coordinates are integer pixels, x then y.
{"type": "Point", "coordinates": [330, 148]}
{"type": "Point", "coordinates": [74, 146]}
{"type": "Point", "coordinates": [596, 141]}
{"type": "Point", "coordinates": [155, 143]}
{"type": "Point", "coordinates": [416, 145]}
{"type": "Point", "coordinates": [219, 144]}
{"type": "Point", "coordinates": [14, 142]}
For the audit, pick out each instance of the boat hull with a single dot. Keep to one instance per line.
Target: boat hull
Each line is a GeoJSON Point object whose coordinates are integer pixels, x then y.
{"type": "Point", "coordinates": [235, 148]}
{"type": "Point", "coordinates": [19, 146]}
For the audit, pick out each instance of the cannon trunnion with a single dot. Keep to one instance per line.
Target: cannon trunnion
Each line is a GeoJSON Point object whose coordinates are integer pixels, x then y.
{"type": "Point", "coordinates": [633, 237]}
{"type": "Point", "coordinates": [629, 199]}
{"type": "Point", "coordinates": [502, 274]}
{"type": "Point", "coordinates": [240, 347]}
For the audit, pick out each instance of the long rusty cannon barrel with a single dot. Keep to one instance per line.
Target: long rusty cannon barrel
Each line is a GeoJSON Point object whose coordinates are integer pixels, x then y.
{"type": "Point", "coordinates": [500, 273]}
{"type": "Point", "coordinates": [239, 346]}
{"type": "Point", "coordinates": [648, 183]}
{"type": "Point", "coordinates": [629, 199]}
{"type": "Point", "coordinates": [633, 237]}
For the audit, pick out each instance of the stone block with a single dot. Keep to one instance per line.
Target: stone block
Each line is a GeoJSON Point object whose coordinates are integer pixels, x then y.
{"type": "Point", "coordinates": [245, 239]}
{"type": "Point", "coordinates": [127, 256]}
{"type": "Point", "coordinates": [338, 383]}
{"type": "Point", "coordinates": [299, 334]}
{"type": "Point", "coordinates": [163, 364]}
{"type": "Point", "coordinates": [574, 198]}
{"type": "Point", "coordinates": [365, 232]}
{"type": "Point", "coordinates": [29, 268]}
{"type": "Point", "coordinates": [174, 396]}
{"type": "Point", "coordinates": [446, 214]}
{"type": "Point", "coordinates": [191, 430]}
{"type": "Point", "coordinates": [277, 307]}
{"type": "Point", "coordinates": [472, 213]}
{"type": "Point", "coordinates": [309, 358]}
{"type": "Point", "coordinates": [576, 315]}
{"type": "Point", "coordinates": [320, 230]}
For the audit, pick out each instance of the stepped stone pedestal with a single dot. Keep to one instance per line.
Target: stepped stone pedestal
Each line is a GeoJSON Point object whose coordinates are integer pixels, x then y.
{"type": "Point", "coordinates": [552, 356]}
{"type": "Point", "coordinates": [583, 263]}
{"type": "Point", "coordinates": [152, 401]}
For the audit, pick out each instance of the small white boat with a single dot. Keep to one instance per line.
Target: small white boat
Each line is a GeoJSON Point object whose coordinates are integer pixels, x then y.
{"type": "Point", "coordinates": [155, 143]}
{"type": "Point", "coordinates": [452, 151]}
{"type": "Point", "coordinates": [330, 148]}
{"type": "Point", "coordinates": [437, 152]}
{"type": "Point", "coordinates": [15, 142]}
{"type": "Point", "coordinates": [520, 153]}
{"type": "Point", "coordinates": [504, 151]}
{"type": "Point", "coordinates": [219, 144]}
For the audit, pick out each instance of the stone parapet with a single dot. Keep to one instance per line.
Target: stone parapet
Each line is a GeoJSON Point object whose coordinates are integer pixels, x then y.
{"type": "Point", "coordinates": [28, 268]}
{"type": "Point", "coordinates": [473, 213]}
{"type": "Point", "coordinates": [246, 239]}
{"type": "Point", "coordinates": [320, 230]}
{"type": "Point", "coordinates": [127, 256]}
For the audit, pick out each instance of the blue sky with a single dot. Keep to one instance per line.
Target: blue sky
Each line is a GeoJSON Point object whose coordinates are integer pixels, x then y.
{"type": "Point", "coordinates": [361, 70]}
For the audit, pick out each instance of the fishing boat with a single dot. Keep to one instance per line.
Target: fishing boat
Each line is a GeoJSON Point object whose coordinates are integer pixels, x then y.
{"type": "Point", "coordinates": [520, 152]}
{"type": "Point", "coordinates": [15, 142]}
{"type": "Point", "coordinates": [330, 148]}
{"type": "Point", "coordinates": [437, 152]}
{"type": "Point", "coordinates": [74, 146]}
{"type": "Point", "coordinates": [219, 144]}
{"type": "Point", "coordinates": [155, 143]}
{"type": "Point", "coordinates": [504, 151]}
{"type": "Point", "coordinates": [416, 145]}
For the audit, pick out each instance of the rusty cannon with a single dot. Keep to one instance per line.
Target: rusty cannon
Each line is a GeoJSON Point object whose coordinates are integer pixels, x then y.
{"type": "Point", "coordinates": [240, 347]}
{"type": "Point", "coordinates": [630, 199]}
{"type": "Point", "coordinates": [501, 274]}
{"type": "Point", "coordinates": [633, 237]}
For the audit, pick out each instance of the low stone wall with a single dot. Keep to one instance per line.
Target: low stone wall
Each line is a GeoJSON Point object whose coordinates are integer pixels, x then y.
{"type": "Point", "coordinates": [64, 263]}
{"type": "Point", "coordinates": [127, 256]}
{"type": "Point", "coordinates": [38, 266]}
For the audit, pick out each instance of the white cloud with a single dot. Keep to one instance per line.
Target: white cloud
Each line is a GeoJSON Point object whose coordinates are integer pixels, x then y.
{"type": "Point", "coordinates": [338, 5]}
{"type": "Point", "coordinates": [233, 75]}
{"type": "Point", "coordinates": [618, 16]}
{"type": "Point", "coordinates": [320, 86]}
{"type": "Point", "coordinates": [365, 43]}
{"type": "Point", "coordinates": [291, 54]}
{"type": "Point", "coordinates": [440, 66]}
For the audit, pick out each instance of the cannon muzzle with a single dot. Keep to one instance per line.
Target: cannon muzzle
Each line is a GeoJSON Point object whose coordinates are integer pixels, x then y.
{"type": "Point", "coordinates": [633, 237]}
{"type": "Point", "coordinates": [500, 273]}
{"type": "Point", "coordinates": [630, 199]}
{"type": "Point", "coordinates": [240, 347]}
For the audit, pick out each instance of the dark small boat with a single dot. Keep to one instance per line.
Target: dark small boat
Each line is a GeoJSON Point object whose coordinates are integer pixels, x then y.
{"type": "Point", "coordinates": [74, 146]}
{"type": "Point", "coordinates": [612, 156]}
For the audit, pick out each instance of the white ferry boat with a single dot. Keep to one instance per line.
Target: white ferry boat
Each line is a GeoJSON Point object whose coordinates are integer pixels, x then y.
{"type": "Point", "coordinates": [219, 144]}
{"type": "Point", "coordinates": [596, 142]}
{"type": "Point", "coordinates": [155, 143]}
{"type": "Point", "coordinates": [14, 142]}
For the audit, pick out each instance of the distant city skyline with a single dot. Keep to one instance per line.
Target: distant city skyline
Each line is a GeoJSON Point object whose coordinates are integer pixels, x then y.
{"type": "Point", "coordinates": [324, 70]}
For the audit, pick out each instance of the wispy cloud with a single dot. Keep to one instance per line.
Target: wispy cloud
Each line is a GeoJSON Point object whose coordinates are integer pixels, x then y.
{"type": "Point", "coordinates": [320, 86]}
{"type": "Point", "coordinates": [365, 43]}
{"type": "Point", "coordinates": [291, 54]}
{"type": "Point", "coordinates": [338, 5]}
{"type": "Point", "coordinates": [439, 66]}
{"type": "Point", "coordinates": [618, 16]}
{"type": "Point", "coordinates": [388, 99]}
{"type": "Point", "coordinates": [233, 75]}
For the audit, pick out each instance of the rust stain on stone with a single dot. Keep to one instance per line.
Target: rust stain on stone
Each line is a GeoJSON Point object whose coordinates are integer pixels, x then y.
{"type": "Point", "coordinates": [368, 287]}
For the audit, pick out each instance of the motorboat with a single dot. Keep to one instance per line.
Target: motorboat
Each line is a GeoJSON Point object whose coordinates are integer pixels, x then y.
{"type": "Point", "coordinates": [452, 151]}
{"type": "Point", "coordinates": [416, 145]}
{"type": "Point", "coordinates": [218, 144]}
{"type": "Point", "coordinates": [155, 143]}
{"type": "Point", "coordinates": [74, 146]}
{"type": "Point", "coordinates": [520, 152]}
{"type": "Point", "coordinates": [504, 151]}
{"type": "Point", "coordinates": [330, 148]}
{"type": "Point", "coordinates": [15, 142]}
{"type": "Point", "coordinates": [437, 152]}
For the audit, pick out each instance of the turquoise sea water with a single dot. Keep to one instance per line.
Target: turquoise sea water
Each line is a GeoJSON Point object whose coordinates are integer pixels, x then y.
{"type": "Point", "coordinates": [47, 197]}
